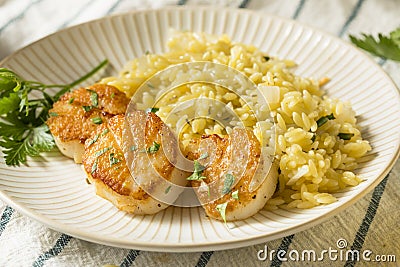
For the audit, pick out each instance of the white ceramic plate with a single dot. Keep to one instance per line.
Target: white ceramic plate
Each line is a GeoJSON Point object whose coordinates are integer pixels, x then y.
{"type": "Point", "coordinates": [53, 191]}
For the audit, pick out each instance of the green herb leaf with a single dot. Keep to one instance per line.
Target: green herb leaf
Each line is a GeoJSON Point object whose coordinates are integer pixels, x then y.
{"type": "Point", "coordinates": [16, 151]}
{"type": "Point", "coordinates": [97, 120]}
{"type": "Point", "coordinates": [203, 156]}
{"type": "Point", "coordinates": [42, 140]}
{"type": "Point", "coordinates": [321, 121]}
{"type": "Point", "coordinates": [94, 140]}
{"type": "Point", "coordinates": [87, 108]}
{"type": "Point", "coordinates": [221, 208]}
{"type": "Point", "coordinates": [94, 98]}
{"type": "Point", "coordinates": [53, 114]}
{"type": "Point", "coordinates": [198, 167]}
{"type": "Point", "coordinates": [383, 46]}
{"type": "Point", "coordinates": [395, 36]}
{"type": "Point", "coordinates": [153, 148]}
{"type": "Point", "coordinates": [167, 189]}
{"type": "Point", "coordinates": [345, 136]}
{"type": "Point", "coordinates": [13, 132]}
{"type": "Point", "coordinates": [112, 95]}
{"type": "Point", "coordinates": [134, 148]}
{"type": "Point", "coordinates": [9, 103]}
{"type": "Point", "coordinates": [235, 194]}
{"type": "Point", "coordinates": [330, 116]}
{"type": "Point", "coordinates": [23, 131]}
{"type": "Point", "coordinates": [106, 131]}
{"type": "Point", "coordinates": [9, 81]}
{"type": "Point", "coordinates": [102, 151]}
{"type": "Point", "coordinates": [313, 138]}
{"type": "Point", "coordinates": [228, 182]}
{"type": "Point", "coordinates": [71, 100]}
{"type": "Point", "coordinates": [152, 110]}
{"type": "Point", "coordinates": [198, 171]}
{"type": "Point", "coordinates": [113, 160]}
{"type": "Point", "coordinates": [36, 141]}
{"type": "Point", "coordinates": [94, 167]}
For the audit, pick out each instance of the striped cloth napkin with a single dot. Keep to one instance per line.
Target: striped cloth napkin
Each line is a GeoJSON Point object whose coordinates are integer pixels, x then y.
{"type": "Point", "coordinates": [372, 224]}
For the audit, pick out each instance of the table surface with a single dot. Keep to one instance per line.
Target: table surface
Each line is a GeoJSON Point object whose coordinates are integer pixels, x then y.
{"type": "Point", "coordinates": [372, 224]}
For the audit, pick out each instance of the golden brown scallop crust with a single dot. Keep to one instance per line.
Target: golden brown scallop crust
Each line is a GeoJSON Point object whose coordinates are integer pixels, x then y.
{"type": "Point", "coordinates": [238, 154]}
{"type": "Point", "coordinates": [114, 173]}
{"type": "Point", "coordinates": [70, 122]}
{"type": "Point", "coordinates": [105, 163]}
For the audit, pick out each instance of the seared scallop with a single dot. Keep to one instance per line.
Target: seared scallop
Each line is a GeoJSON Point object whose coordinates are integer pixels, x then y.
{"type": "Point", "coordinates": [233, 179]}
{"type": "Point", "coordinates": [77, 114]}
{"type": "Point", "coordinates": [131, 163]}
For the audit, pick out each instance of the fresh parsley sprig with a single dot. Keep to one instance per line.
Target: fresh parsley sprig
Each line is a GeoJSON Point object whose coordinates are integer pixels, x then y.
{"type": "Point", "coordinates": [387, 47]}
{"type": "Point", "coordinates": [23, 131]}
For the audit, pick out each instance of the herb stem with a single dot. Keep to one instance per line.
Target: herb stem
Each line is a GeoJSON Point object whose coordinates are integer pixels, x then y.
{"type": "Point", "coordinates": [83, 78]}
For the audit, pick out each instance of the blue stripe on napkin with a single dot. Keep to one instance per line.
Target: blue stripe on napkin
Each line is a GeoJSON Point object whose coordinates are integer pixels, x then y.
{"type": "Point", "coordinates": [130, 258]}
{"type": "Point", "coordinates": [382, 61]}
{"type": "Point", "coordinates": [244, 3]}
{"type": "Point", "coordinates": [113, 7]}
{"type": "Point", "coordinates": [368, 219]}
{"type": "Point", "coordinates": [352, 16]}
{"type": "Point", "coordinates": [5, 218]}
{"type": "Point", "coordinates": [286, 241]}
{"type": "Point", "coordinates": [204, 258]}
{"type": "Point", "coordinates": [19, 16]}
{"type": "Point", "coordinates": [76, 15]}
{"type": "Point", "coordinates": [298, 9]}
{"type": "Point", "coordinates": [61, 242]}
{"type": "Point", "coordinates": [182, 2]}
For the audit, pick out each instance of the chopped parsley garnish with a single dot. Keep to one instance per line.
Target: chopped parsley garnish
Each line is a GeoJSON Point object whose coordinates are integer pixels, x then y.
{"type": "Point", "coordinates": [112, 95]}
{"type": "Point", "coordinates": [94, 98]}
{"type": "Point", "coordinates": [102, 151]}
{"type": "Point", "coordinates": [345, 136]}
{"type": "Point", "coordinates": [87, 108]}
{"type": "Point", "coordinates": [153, 148]}
{"type": "Point", "coordinates": [97, 120]}
{"type": "Point", "coordinates": [198, 172]}
{"type": "Point", "coordinates": [167, 189]}
{"type": "Point", "coordinates": [235, 194]}
{"type": "Point", "coordinates": [204, 155]}
{"type": "Point", "coordinates": [53, 114]}
{"type": "Point", "coordinates": [23, 131]}
{"type": "Point", "coordinates": [71, 100]}
{"type": "Point", "coordinates": [313, 137]}
{"type": "Point", "coordinates": [113, 160]}
{"type": "Point", "coordinates": [152, 110]}
{"type": "Point", "coordinates": [94, 140]}
{"type": "Point", "coordinates": [221, 208]}
{"type": "Point", "coordinates": [94, 167]}
{"type": "Point", "coordinates": [321, 121]}
{"type": "Point", "coordinates": [228, 182]}
{"type": "Point", "coordinates": [134, 148]}
{"type": "Point", "coordinates": [105, 132]}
